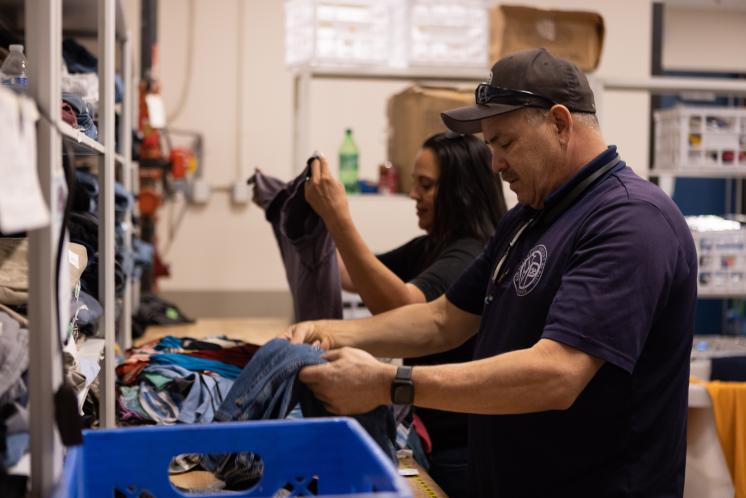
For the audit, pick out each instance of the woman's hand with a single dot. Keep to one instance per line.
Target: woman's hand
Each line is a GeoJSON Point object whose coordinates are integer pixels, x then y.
{"type": "Point", "coordinates": [326, 194]}
{"type": "Point", "coordinates": [308, 333]}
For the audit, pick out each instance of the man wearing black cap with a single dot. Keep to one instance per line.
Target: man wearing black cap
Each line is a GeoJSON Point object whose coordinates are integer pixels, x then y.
{"type": "Point", "coordinates": [582, 303]}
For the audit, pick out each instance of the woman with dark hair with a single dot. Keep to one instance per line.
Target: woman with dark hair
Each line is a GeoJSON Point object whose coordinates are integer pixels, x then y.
{"type": "Point", "coordinates": [459, 200]}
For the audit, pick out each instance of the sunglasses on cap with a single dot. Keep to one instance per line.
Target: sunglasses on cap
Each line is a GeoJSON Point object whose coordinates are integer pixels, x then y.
{"type": "Point", "coordinates": [488, 94]}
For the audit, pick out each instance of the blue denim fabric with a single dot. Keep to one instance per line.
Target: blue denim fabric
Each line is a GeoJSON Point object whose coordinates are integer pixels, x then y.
{"type": "Point", "coordinates": [82, 113]}
{"type": "Point", "coordinates": [142, 253]}
{"type": "Point", "coordinates": [87, 191]}
{"type": "Point", "coordinates": [123, 202]}
{"type": "Point", "coordinates": [16, 445]}
{"type": "Point", "coordinates": [267, 388]}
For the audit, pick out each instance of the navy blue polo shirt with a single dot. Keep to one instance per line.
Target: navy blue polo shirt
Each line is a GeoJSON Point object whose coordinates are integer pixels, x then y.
{"type": "Point", "coordinates": [613, 276]}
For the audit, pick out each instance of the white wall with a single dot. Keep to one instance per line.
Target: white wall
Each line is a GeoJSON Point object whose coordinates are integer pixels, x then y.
{"type": "Point", "coordinates": [687, 46]}
{"type": "Point", "coordinates": [223, 247]}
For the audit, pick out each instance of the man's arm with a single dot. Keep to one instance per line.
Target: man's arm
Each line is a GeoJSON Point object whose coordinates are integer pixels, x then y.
{"type": "Point", "coordinates": [547, 376]}
{"type": "Point", "coordinates": [409, 331]}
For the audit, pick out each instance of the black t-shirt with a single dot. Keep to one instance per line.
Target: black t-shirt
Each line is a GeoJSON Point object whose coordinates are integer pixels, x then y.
{"type": "Point", "coordinates": [447, 430]}
{"type": "Point", "coordinates": [614, 276]}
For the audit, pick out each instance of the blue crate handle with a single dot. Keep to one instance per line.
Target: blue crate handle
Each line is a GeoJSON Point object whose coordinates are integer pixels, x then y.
{"type": "Point", "coordinates": [337, 450]}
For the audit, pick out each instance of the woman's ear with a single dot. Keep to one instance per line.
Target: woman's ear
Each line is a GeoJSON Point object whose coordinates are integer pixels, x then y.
{"type": "Point", "coordinates": [562, 122]}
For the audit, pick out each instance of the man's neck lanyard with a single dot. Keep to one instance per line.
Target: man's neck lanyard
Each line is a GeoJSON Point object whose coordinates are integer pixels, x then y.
{"type": "Point", "coordinates": [546, 217]}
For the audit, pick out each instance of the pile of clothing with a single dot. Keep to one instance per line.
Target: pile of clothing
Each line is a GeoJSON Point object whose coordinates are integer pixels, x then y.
{"type": "Point", "coordinates": [178, 380]}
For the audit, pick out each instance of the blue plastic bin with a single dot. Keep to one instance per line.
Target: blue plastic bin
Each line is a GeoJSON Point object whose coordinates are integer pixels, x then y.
{"type": "Point", "coordinates": [337, 451]}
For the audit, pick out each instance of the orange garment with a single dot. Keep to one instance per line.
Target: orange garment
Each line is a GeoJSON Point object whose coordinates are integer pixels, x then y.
{"type": "Point", "coordinates": [729, 409]}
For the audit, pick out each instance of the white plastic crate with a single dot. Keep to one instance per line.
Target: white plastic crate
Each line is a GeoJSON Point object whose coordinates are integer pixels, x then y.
{"type": "Point", "coordinates": [722, 261]}
{"type": "Point", "coordinates": [344, 32]}
{"type": "Point", "coordinates": [448, 32]}
{"type": "Point", "coordinates": [387, 33]}
{"type": "Point", "coordinates": [691, 138]}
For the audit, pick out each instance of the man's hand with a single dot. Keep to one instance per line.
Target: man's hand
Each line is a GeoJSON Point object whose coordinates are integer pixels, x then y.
{"type": "Point", "coordinates": [352, 382]}
{"type": "Point", "coordinates": [326, 195]}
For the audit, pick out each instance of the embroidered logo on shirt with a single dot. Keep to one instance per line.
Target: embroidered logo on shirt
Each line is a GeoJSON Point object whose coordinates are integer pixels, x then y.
{"type": "Point", "coordinates": [529, 274]}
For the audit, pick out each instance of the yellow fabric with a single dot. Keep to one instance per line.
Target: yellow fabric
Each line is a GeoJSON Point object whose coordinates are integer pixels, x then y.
{"type": "Point", "coordinates": [729, 409]}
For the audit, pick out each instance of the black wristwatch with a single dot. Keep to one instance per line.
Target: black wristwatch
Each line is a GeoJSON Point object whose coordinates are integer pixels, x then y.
{"type": "Point", "coordinates": [402, 388]}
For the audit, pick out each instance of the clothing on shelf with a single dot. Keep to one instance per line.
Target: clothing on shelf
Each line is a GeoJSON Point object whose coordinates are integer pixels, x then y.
{"type": "Point", "coordinates": [83, 115]}
{"type": "Point", "coordinates": [80, 74]}
{"type": "Point", "coordinates": [83, 228]}
{"type": "Point", "coordinates": [86, 312]}
{"type": "Point", "coordinates": [14, 268]}
{"type": "Point", "coordinates": [68, 115]}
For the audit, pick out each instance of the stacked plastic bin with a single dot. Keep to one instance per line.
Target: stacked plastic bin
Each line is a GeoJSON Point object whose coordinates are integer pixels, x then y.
{"type": "Point", "coordinates": [448, 33]}
{"type": "Point", "coordinates": [721, 248]}
{"type": "Point", "coordinates": [334, 32]}
{"type": "Point", "coordinates": [386, 33]}
{"type": "Point", "coordinates": [697, 138]}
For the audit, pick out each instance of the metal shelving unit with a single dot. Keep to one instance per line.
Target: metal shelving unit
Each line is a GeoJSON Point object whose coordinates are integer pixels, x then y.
{"type": "Point", "coordinates": [304, 75]}
{"type": "Point", "coordinates": [43, 23]}
{"type": "Point", "coordinates": [660, 85]}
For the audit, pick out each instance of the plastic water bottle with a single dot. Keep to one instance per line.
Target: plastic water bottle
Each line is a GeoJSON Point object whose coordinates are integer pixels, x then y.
{"type": "Point", "coordinates": [348, 163]}
{"type": "Point", "coordinates": [13, 70]}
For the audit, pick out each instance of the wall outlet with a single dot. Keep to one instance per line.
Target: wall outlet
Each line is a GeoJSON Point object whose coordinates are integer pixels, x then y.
{"type": "Point", "coordinates": [241, 193]}
{"type": "Point", "coordinates": [199, 192]}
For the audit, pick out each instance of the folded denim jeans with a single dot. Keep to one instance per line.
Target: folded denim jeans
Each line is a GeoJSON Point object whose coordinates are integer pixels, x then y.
{"type": "Point", "coordinates": [82, 114]}
{"type": "Point", "coordinates": [267, 389]}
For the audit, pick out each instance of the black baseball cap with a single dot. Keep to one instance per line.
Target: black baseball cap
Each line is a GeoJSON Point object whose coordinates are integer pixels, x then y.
{"type": "Point", "coordinates": [530, 78]}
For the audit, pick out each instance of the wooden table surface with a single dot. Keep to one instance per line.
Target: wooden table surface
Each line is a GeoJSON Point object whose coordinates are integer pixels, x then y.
{"type": "Point", "coordinates": [422, 485]}
{"type": "Point", "coordinates": [252, 330]}
{"type": "Point", "coordinates": [258, 331]}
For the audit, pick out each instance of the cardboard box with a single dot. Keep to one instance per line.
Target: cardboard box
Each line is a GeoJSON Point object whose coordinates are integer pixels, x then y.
{"type": "Point", "coordinates": [573, 35]}
{"type": "Point", "coordinates": [414, 115]}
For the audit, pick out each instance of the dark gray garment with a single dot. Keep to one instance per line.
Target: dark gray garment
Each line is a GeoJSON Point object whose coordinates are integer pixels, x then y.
{"type": "Point", "coordinates": [308, 251]}
{"type": "Point", "coordinates": [13, 352]}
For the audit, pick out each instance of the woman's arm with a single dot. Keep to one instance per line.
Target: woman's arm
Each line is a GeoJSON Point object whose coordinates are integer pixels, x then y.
{"type": "Point", "coordinates": [345, 275]}
{"type": "Point", "coordinates": [380, 289]}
